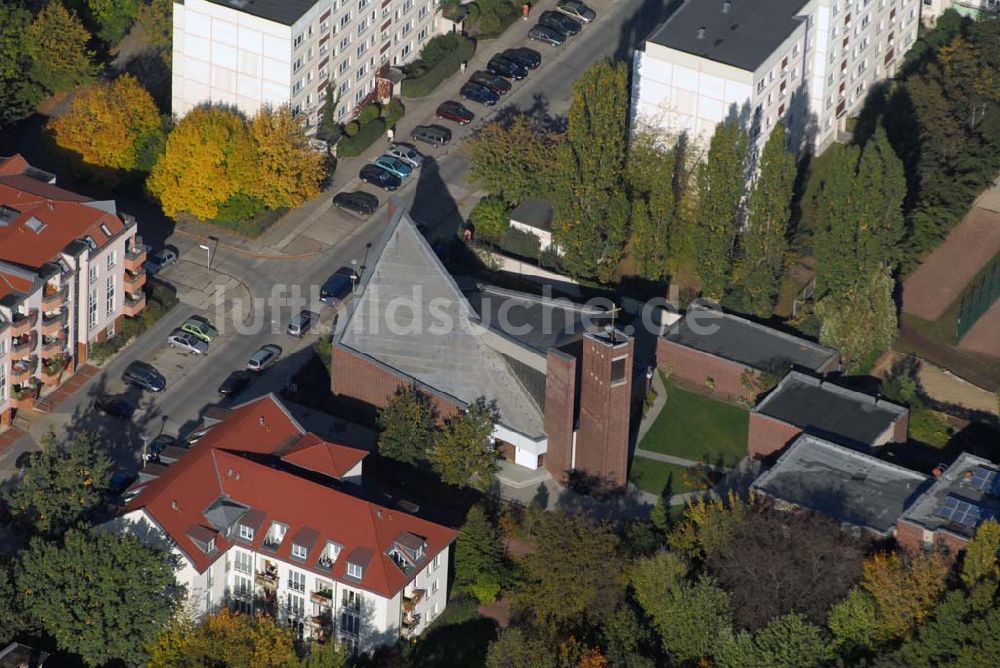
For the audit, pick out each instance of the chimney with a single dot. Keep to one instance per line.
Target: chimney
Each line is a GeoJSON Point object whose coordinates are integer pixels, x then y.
{"type": "Point", "coordinates": [701, 32]}
{"type": "Point", "coordinates": [727, 7]}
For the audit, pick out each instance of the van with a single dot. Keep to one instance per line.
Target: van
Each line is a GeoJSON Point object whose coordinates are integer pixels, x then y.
{"type": "Point", "coordinates": [431, 134]}
{"type": "Point", "coordinates": [301, 322]}
{"type": "Point", "coordinates": [336, 288]}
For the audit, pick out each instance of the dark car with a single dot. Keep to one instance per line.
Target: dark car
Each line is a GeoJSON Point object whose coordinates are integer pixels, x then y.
{"type": "Point", "coordinates": [235, 383]}
{"type": "Point", "coordinates": [498, 85]}
{"type": "Point", "coordinates": [524, 57]}
{"type": "Point", "coordinates": [455, 111]}
{"type": "Point", "coordinates": [158, 445]}
{"type": "Point", "coordinates": [145, 376]}
{"type": "Point", "coordinates": [302, 322]}
{"type": "Point", "coordinates": [480, 94]}
{"type": "Point", "coordinates": [379, 177]}
{"type": "Point", "coordinates": [113, 406]}
{"type": "Point", "coordinates": [540, 33]}
{"type": "Point", "coordinates": [359, 202]}
{"type": "Point", "coordinates": [336, 288]}
{"type": "Point", "coordinates": [431, 134]}
{"type": "Point", "coordinates": [120, 481]}
{"type": "Point", "coordinates": [506, 68]}
{"type": "Point", "coordinates": [559, 21]}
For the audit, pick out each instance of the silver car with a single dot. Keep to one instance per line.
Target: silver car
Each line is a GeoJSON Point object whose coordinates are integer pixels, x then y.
{"type": "Point", "coordinates": [577, 10]}
{"type": "Point", "coordinates": [263, 358]}
{"type": "Point", "coordinates": [407, 154]}
{"type": "Point", "coordinates": [187, 342]}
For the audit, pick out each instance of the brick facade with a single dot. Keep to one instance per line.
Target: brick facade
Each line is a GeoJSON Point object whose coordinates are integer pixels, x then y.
{"type": "Point", "coordinates": [560, 389]}
{"type": "Point", "coordinates": [901, 430]}
{"type": "Point", "coordinates": [605, 403]}
{"type": "Point", "coordinates": [765, 435]}
{"type": "Point", "coordinates": [911, 538]}
{"type": "Point", "coordinates": [698, 368]}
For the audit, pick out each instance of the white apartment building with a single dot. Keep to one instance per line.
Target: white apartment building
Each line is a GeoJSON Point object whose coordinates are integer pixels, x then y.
{"type": "Point", "coordinates": [70, 270]}
{"type": "Point", "coordinates": [266, 517]}
{"type": "Point", "coordinates": [810, 62]}
{"type": "Point", "coordinates": [976, 9]}
{"type": "Point", "coordinates": [248, 53]}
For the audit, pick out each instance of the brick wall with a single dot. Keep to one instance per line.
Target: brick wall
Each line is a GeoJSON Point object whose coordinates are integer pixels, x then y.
{"type": "Point", "coordinates": [901, 430]}
{"type": "Point", "coordinates": [697, 367]}
{"type": "Point", "coordinates": [560, 383]}
{"type": "Point", "coordinates": [765, 435]}
{"type": "Point", "coordinates": [605, 410]}
{"type": "Point", "coordinates": [911, 538]}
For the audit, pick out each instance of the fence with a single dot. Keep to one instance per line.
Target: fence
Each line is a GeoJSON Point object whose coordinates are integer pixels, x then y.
{"type": "Point", "coordinates": [978, 297]}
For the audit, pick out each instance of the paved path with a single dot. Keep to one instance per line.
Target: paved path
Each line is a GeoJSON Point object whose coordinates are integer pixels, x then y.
{"type": "Point", "coordinates": [666, 459]}
{"type": "Point", "coordinates": [653, 411]}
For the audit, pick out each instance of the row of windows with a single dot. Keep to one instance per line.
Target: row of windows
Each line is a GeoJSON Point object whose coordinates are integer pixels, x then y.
{"type": "Point", "coordinates": [109, 302]}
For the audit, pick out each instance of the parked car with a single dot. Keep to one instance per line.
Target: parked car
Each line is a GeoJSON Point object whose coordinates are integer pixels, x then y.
{"type": "Point", "coordinates": [498, 85]}
{"type": "Point", "coordinates": [145, 376]}
{"type": "Point", "coordinates": [431, 134]}
{"type": "Point", "coordinates": [506, 68]}
{"type": "Point", "coordinates": [358, 201]}
{"type": "Point", "coordinates": [540, 33]}
{"type": "Point", "coordinates": [197, 435]}
{"type": "Point", "coordinates": [200, 328]}
{"type": "Point", "coordinates": [158, 445]}
{"type": "Point", "coordinates": [336, 288]}
{"type": "Point", "coordinates": [164, 257]}
{"type": "Point", "coordinates": [561, 22]}
{"type": "Point", "coordinates": [393, 166]}
{"type": "Point", "coordinates": [187, 342]}
{"type": "Point", "coordinates": [119, 483]}
{"type": "Point", "coordinates": [406, 153]}
{"type": "Point", "coordinates": [235, 383]}
{"type": "Point", "coordinates": [302, 322]}
{"type": "Point", "coordinates": [480, 94]}
{"type": "Point", "coordinates": [379, 177]}
{"type": "Point", "coordinates": [114, 406]}
{"type": "Point", "coordinates": [455, 111]}
{"type": "Point", "coordinates": [576, 10]}
{"type": "Point", "coordinates": [264, 357]}
{"type": "Point", "coordinates": [525, 57]}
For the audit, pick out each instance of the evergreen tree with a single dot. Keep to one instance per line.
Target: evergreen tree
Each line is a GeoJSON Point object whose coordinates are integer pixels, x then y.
{"type": "Point", "coordinates": [651, 181]}
{"type": "Point", "coordinates": [464, 452]}
{"type": "Point", "coordinates": [57, 43]}
{"type": "Point", "coordinates": [721, 182]}
{"type": "Point", "coordinates": [765, 236]}
{"type": "Point", "coordinates": [10, 613]}
{"type": "Point", "coordinates": [478, 556]}
{"type": "Point", "coordinates": [406, 425]}
{"type": "Point", "coordinates": [860, 322]}
{"type": "Point", "coordinates": [592, 210]}
{"type": "Point", "coordinates": [19, 93]}
{"type": "Point", "coordinates": [328, 129]}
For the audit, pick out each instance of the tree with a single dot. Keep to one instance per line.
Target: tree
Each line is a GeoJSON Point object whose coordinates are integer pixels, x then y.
{"type": "Point", "coordinates": [463, 450]}
{"type": "Point", "coordinates": [557, 592]}
{"type": "Point", "coordinates": [113, 17]}
{"type": "Point", "coordinates": [708, 525]}
{"type": "Point", "coordinates": [721, 182]}
{"type": "Point", "coordinates": [689, 616]}
{"type": "Point", "coordinates": [330, 654]}
{"type": "Point", "coordinates": [10, 613]}
{"type": "Point", "coordinates": [406, 425]}
{"type": "Point", "coordinates": [854, 623]}
{"type": "Point", "coordinates": [651, 180]}
{"type": "Point", "coordinates": [981, 565]}
{"type": "Point", "coordinates": [60, 484]}
{"type": "Point", "coordinates": [110, 124]}
{"type": "Point", "coordinates": [514, 161]}
{"type": "Point", "coordinates": [194, 175]}
{"type": "Point", "coordinates": [231, 639]}
{"type": "Point", "coordinates": [513, 649]}
{"type": "Point", "coordinates": [592, 210]}
{"type": "Point", "coordinates": [328, 129]}
{"type": "Point", "coordinates": [764, 240]}
{"type": "Point", "coordinates": [57, 44]}
{"type": "Point", "coordinates": [478, 553]}
{"type": "Point", "coordinates": [790, 641]}
{"type": "Point", "coordinates": [860, 322]}
{"type": "Point", "coordinates": [904, 592]}
{"type": "Point", "coordinates": [282, 170]}
{"type": "Point", "coordinates": [489, 217]}
{"type": "Point", "coordinates": [156, 19]}
{"type": "Point", "coordinates": [98, 594]}
{"type": "Point", "coordinates": [19, 93]}
{"type": "Point", "coordinates": [627, 639]}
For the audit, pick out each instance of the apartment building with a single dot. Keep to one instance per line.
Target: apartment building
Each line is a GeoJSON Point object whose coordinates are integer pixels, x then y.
{"type": "Point", "coordinates": [266, 517]}
{"type": "Point", "coordinates": [975, 9]}
{"type": "Point", "coordinates": [70, 270]}
{"type": "Point", "coordinates": [250, 53]}
{"type": "Point", "coordinates": [809, 62]}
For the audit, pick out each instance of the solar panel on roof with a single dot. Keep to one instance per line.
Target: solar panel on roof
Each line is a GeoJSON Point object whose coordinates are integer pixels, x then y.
{"type": "Point", "coordinates": [984, 479]}
{"type": "Point", "coordinates": [964, 513]}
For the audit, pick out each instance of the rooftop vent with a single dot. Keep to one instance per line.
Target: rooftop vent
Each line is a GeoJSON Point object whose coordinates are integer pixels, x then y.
{"type": "Point", "coordinates": [701, 32]}
{"type": "Point", "coordinates": [727, 7]}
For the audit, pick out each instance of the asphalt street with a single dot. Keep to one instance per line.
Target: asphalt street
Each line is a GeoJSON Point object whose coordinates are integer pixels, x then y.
{"type": "Point", "coordinates": [438, 196]}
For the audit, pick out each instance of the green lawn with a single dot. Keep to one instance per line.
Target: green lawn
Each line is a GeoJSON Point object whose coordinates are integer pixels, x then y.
{"type": "Point", "coordinates": [459, 637]}
{"type": "Point", "coordinates": [695, 427]}
{"type": "Point", "coordinates": [654, 477]}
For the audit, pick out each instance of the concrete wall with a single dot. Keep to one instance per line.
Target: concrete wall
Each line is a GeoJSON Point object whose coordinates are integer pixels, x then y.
{"type": "Point", "coordinates": [766, 436]}
{"type": "Point", "coordinates": [696, 367]}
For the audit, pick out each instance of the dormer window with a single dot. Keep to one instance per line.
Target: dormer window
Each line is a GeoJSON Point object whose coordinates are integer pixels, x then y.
{"type": "Point", "coordinates": [105, 230]}
{"type": "Point", "coordinates": [246, 533]}
{"type": "Point", "coordinates": [329, 556]}
{"type": "Point", "coordinates": [299, 551]}
{"type": "Point", "coordinates": [355, 571]}
{"type": "Point", "coordinates": [274, 536]}
{"type": "Point", "coordinates": [91, 244]}
{"type": "Point", "coordinates": [210, 546]}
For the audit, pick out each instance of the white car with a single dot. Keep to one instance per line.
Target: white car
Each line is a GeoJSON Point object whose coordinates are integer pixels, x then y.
{"type": "Point", "coordinates": [187, 342]}
{"type": "Point", "coordinates": [407, 154]}
{"type": "Point", "coordinates": [263, 358]}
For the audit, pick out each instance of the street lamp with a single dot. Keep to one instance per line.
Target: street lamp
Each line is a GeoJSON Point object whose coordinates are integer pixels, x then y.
{"type": "Point", "coordinates": [208, 263]}
{"type": "Point", "coordinates": [354, 274]}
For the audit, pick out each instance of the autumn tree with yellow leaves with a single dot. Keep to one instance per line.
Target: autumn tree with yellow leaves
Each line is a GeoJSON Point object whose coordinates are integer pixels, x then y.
{"type": "Point", "coordinates": [114, 124]}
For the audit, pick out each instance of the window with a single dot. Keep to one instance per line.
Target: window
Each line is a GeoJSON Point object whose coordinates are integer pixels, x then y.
{"type": "Point", "coordinates": [437, 561]}
{"type": "Point", "coordinates": [242, 587]}
{"type": "Point", "coordinates": [324, 26]}
{"type": "Point", "coordinates": [355, 571]}
{"type": "Point", "coordinates": [110, 305]}
{"type": "Point", "coordinates": [362, 26]}
{"type": "Point", "coordinates": [323, 48]}
{"type": "Point", "coordinates": [296, 606]}
{"type": "Point", "coordinates": [299, 551]}
{"type": "Point", "coordinates": [349, 624]}
{"type": "Point", "coordinates": [246, 533]}
{"type": "Point", "coordinates": [296, 580]}
{"type": "Point", "coordinates": [351, 600]}
{"type": "Point", "coordinates": [344, 43]}
{"type": "Point", "coordinates": [297, 65]}
{"type": "Point", "coordinates": [297, 42]}
{"type": "Point", "coordinates": [434, 587]}
{"type": "Point", "coordinates": [112, 260]}
{"type": "Point", "coordinates": [243, 562]}
{"type": "Point", "coordinates": [3, 347]}
{"type": "Point", "coordinates": [92, 309]}
{"type": "Point", "coordinates": [760, 85]}
{"type": "Point", "coordinates": [362, 48]}
{"type": "Point", "coordinates": [3, 380]}
{"type": "Point", "coordinates": [344, 66]}
{"type": "Point", "coordinates": [297, 87]}
{"type": "Point", "coordinates": [422, 35]}
{"type": "Point", "coordinates": [93, 273]}
{"type": "Point", "coordinates": [361, 72]}
{"type": "Point", "coordinates": [345, 19]}
{"type": "Point", "coordinates": [343, 89]}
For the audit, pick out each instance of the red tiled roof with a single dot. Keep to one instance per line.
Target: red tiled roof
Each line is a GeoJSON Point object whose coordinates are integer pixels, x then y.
{"type": "Point", "coordinates": [313, 453]}
{"type": "Point", "coordinates": [12, 283]}
{"type": "Point", "coordinates": [65, 215]}
{"type": "Point", "coordinates": [218, 466]}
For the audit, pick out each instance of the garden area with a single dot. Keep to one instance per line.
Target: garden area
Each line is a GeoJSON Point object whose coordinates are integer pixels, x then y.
{"type": "Point", "coordinates": [370, 126]}
{"type": "Point", "coordinates": [665, 479]}
{"type": "Point", "coordinates": [441, 57]}
{"type": "Point", "coordinates": [160, 298]}
{"type": "Point", "coordinates": [699, 428]}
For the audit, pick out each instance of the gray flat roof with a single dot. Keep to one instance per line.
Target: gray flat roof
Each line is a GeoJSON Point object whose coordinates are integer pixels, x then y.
{"type": "Point", "coordinates": [744, 37]}
{"type": "Point", "coordinates": [409, 315]}
{"type": "Point", "coordinates": [712, 331]}
{"type": "Point", "coordinates": [533, 212]}
{"type": "Point", "coordinates": [842, 483]}
{"type": "Point", "coordinates": [286, 12]}
{"type": "Point", "coordinates": [958, 482]}
{"type": "Point", "coordinates": [831, 411]}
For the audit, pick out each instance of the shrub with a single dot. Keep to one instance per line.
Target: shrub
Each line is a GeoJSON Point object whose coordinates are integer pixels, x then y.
{"type": "Point", "coordinates": [352, 128]}
{"type": "Point", "coordinates": [489, 217]}
{"type": "Point", "coordinates": [160, 298]}
{"type": "Point", "coordinates": [448, 65]}
{"type": "Point", "coordinates": [238, 207]}
{"type": "Point", "coordinates": [520, 243]}
{"type": "Point", "coordinates": [355, 145]}
{"type": "Point", "coordinates": [930, 427]}
{"type": "Point", "coordinates": [369, 113]}
{"type": "Point", "coordinates": [438, 48]}
{"type": "Point", "coordinates": [393, 112]}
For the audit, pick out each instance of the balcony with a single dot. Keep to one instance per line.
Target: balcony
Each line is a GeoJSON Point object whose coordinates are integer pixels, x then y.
{"type": "Point", "coordinates": [411, 600]}
{"type": "Point", "coordinates": [410, 623]}
{"type": "Point", "coordinates": [53, 324]}
{"type": "Point", "coordinates": [24, 397]}
{"type": "Point", "coordinates": [134, 304]}
{"type": "Point", "coordinates": [322, 597]}
{"type": "Point", "coordinates": [52, 369]}
{"type": "Point", "coordinates": [134, 280]}
{"type": "Point", "coordinates": [53, 297]}
{"type": "Point", "coordinates": [23, 324]}
{"type": "Point", "coordinates": [53, 345]}
{"type": "Point", "coordinates": [22, 370]}
{"type": "Point", "coordinates": [324, 621]}
{"type": "Point", "coordinates": [267, 579]}
{"type": "Point", "coordinates": [24, 346]}
{"type": "Point", "coordinates": [135, 257]}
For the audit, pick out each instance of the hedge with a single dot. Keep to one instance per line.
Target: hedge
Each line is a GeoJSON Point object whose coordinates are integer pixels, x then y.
{"type": "Point", "coordinates": [160, 298]}
{"type": "Point", "coordinates": [367, 135]}
{"type": "Point", "coordinates": [425, 85]}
